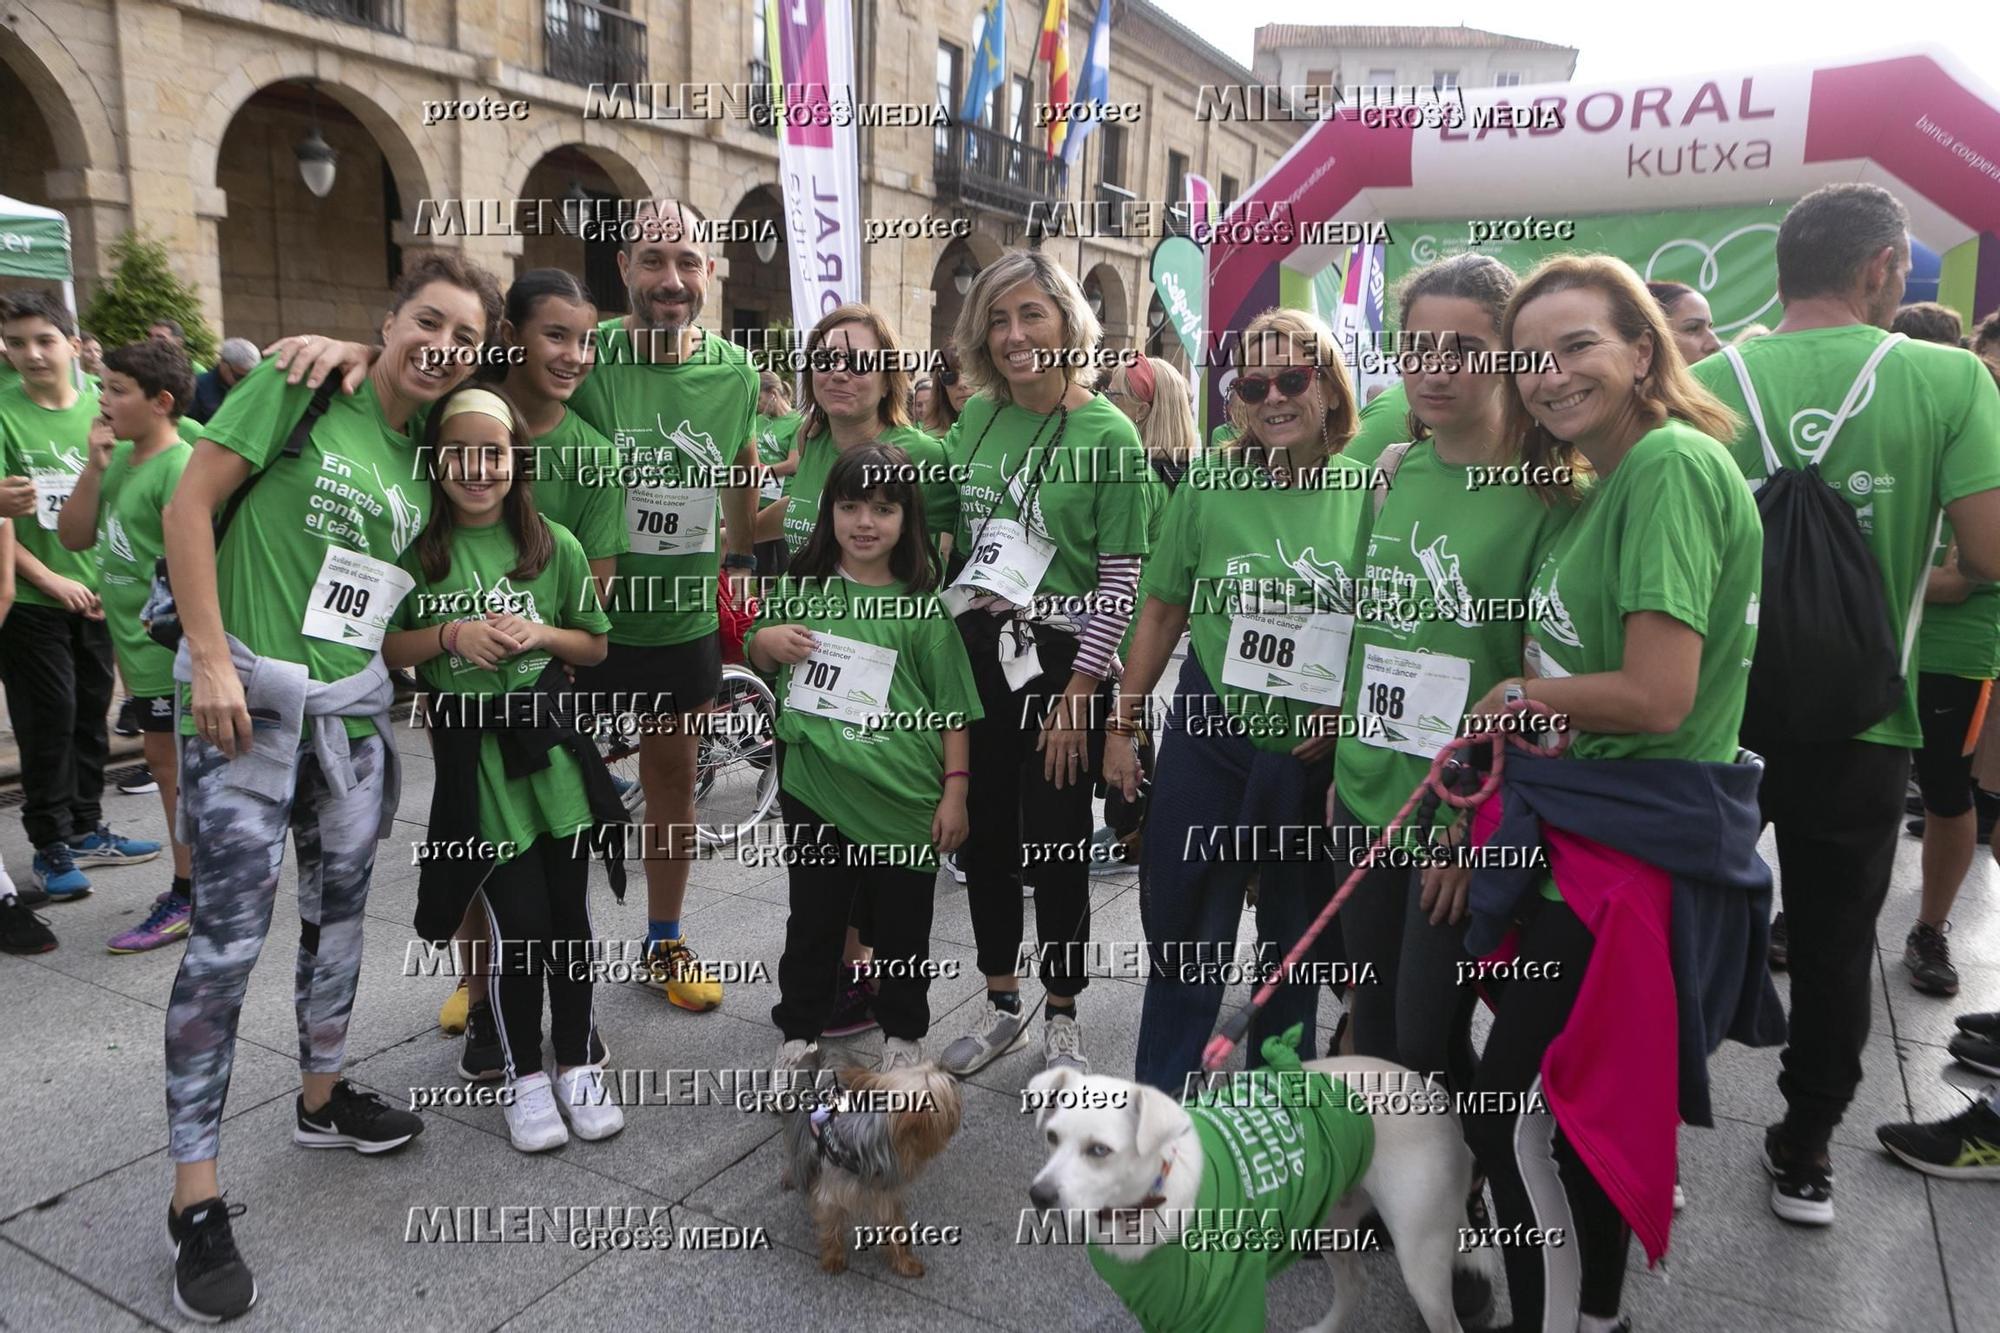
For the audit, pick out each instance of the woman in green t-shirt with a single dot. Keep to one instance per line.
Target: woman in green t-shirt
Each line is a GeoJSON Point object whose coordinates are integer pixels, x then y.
{"type": "Point", "coordinates": [1447, 547]}
{"type": "Point", "coordinates": [287, 620]}
{"type": "Point", "coordinates": [950, 392]}
{"type": "Point", "coordinates": [873, 772]}
{"type": "Point", "coordinates": [1642, 620]}
{"type": "Point", "coordinates": [501, 602]}
{"type": "Point", "coordinates": [1252, 562]}
{"type": "Point", "coordinates": [1055, 502]}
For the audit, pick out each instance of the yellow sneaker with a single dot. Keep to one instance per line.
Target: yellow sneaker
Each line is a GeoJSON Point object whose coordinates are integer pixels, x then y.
{"type": "Point", "coordinates": [677, 971]}
{"type": "Point", "coordinates": [451, 1017]}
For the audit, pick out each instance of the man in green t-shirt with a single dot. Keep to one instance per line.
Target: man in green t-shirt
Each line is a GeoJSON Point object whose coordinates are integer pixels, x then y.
{"type": "Point", "coordinates": [679, 403]}
{"type": "Point", "coordinates": [1923, 437]}
{"type": "Point", "coordinates": [55, 653]}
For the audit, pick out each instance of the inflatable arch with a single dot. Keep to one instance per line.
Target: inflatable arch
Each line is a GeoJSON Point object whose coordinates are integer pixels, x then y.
{"type": "Point", "coordinates": [1739, 147]}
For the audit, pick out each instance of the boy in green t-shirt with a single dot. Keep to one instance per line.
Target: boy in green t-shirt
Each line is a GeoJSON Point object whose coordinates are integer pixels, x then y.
{"type": "Point", "coordinates": [136, 457]}
{"type": "Point", "coordinates": [55, 653]}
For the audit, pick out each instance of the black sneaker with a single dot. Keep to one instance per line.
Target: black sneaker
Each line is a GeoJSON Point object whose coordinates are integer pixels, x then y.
{"type": "Point", "coordinates": [31, 895]}
{"type": "Point", "coordinates": [138, 782]}
{"type": "Point", "coordinates": [1781, 944]}
{"type": "Point", "coordinates": [21, 930]}
{"type": "Point", "coordinates": [1801, 1188]}
{"type": "Point", "coordinates": [854, 1011]}
{"type": "Point", "coordinates": [1965, 1147]}
{"type": "Point", "coordinates": [211, 1281]}
{"type": "Point", "coordinates": [1975, 1052]}
{"type": "Point", "coordinates": [483, 1060]}
{"type": "Point", "coordinates": [355, 1119]}
{"type": "Point", "coordinates": [1928, 957]}
{"type": "Point", "coordinates": [128, 718]}
{"type": "Point", "coordinates": [1979, 1025]}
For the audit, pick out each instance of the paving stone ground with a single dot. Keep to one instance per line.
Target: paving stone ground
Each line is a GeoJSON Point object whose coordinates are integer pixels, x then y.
{"type": "Point", "coordinates": [330, 1234]}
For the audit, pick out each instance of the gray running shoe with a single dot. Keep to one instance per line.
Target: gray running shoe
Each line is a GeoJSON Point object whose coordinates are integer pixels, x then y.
{"type": "Point", "coordinates": [997, 1033]}
{"type": "Point", "coordinates": [1062, 1043]}
{"type": "Point", "coordinates": [899, 1053]}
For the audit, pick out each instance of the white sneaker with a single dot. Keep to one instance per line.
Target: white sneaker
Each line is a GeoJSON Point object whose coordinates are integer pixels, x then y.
{"type": "Point", "coordinates": [792, 1073]}
{"type": "Point", "coordinates": [582, 1097]}
{"type": "Point", "coordinates": [533, 1122]}
{"type": "Point", "coordinates": [1062, 1043]}
{"type": "Point", "coordinates": [950, 863]}
{"type": "Point", "coordinates": [897, 1053]}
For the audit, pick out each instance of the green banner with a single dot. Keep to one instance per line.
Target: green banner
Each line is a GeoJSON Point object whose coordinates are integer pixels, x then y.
{"type": "Point", "coordinates": [33, 247]}
{"type": "Point", "coordinates": [1727, 254]}
{"type": "Point", "coordinates": [1180, 276]}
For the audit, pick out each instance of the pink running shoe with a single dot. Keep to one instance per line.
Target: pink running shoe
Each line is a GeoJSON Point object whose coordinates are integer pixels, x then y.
{"type": "Point", "coordinates": [166, 924]}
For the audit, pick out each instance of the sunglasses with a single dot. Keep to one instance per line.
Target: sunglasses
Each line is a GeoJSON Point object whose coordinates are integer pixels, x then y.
{"type": "Point", "coordinates": [1291, 383]}
{"type": "Point", "coordinates": [947, 377]}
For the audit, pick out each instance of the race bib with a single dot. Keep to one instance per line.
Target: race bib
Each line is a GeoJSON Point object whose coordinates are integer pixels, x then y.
{"type": "Point", "coordinates": [1007, 560]}
{"type": "Point", "coordinates": [1411, 702]}
{"type": "Point", "coordinates": [670, 520]}
{"type": "Point", "coordinates": [53, 487]}
{"type": "Point", "coordinates": [772, 490]}
{"type": "Point", "coordinates": [843, 678]}
{"type": "Point", "coordinates": [353, 598]}
{"type": "Point", "coordinates": [1540, 663]}
{"type": "Point", "coordinates": [1301, 656]}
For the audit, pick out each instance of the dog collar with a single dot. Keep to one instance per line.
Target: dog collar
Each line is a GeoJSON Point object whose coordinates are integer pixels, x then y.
{"type": "Point", "coordinates": [1154, 1198]}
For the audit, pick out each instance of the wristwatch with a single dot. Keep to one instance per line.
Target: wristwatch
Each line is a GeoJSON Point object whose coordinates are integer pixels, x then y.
{"type": "Point", "coordinates": [735, 561]}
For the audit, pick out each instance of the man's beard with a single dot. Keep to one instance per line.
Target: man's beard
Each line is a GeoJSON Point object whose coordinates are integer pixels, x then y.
{"type": "Point", "coordinates": [672, 327]}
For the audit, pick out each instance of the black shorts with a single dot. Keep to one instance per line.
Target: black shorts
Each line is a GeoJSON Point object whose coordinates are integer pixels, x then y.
{"type": "Point", "coordinates": [652, 681]}
{"type": "Point", "coordinates": [1951, 710]}
{"type": "Point", "coordinates": [150, 713]}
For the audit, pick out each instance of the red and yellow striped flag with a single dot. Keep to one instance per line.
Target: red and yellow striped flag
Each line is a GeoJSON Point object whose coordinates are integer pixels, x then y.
{"type": "Point", "coordinates": [1055, 50]}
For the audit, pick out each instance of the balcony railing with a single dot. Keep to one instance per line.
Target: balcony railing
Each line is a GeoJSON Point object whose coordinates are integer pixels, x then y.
{"type": "Point", "coordinates": [761, 118]}
{"type": "Point", "coordinates": [586, 42]}
{"type": "Point", "coordinates": [381, 15]}
{"type": "Point", "coordinates": [984, 167]}
{"type": "Point", "coordinates": [1112, 202]}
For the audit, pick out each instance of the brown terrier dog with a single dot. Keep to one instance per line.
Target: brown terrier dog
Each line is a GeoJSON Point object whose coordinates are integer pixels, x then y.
{"type": "Point", "coordinates": [856, 1147]}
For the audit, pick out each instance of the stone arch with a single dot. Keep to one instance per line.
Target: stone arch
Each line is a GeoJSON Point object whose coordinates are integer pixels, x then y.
{"type": "Point", "coordinates": [1117, 316]}
{"type": "Point", "coordinates": [65, 95]}
{"type": "Point", "coordinates": [610, 146]}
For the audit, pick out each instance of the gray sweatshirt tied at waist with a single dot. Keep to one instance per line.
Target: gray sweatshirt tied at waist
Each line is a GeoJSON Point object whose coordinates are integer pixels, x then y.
{"type": "Point", "coordinates": [269, 768]}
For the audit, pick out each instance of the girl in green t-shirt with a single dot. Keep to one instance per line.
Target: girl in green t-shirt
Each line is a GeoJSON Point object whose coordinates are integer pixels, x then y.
{"type": "Point", "coordinates": [1447, 548]}
{"type": "Point", "coordinates": [873, 771]}
{"type": "Point", "coordinates": [499, 597]}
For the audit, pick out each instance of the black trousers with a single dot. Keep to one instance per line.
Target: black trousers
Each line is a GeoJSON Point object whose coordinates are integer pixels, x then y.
{"type": "Point", "coordinates": [539, 914]}
{"type": "Point", "coordinates": [58, 674]}
{"type": "Point", "coordinates": [1837, 806]}
{"type": "Point", "coordinates": [1537, 1178]}
{"type": "Point", "coordinates": [827, 880]}
{"type": "Point", "coordinates": [1009, 795]}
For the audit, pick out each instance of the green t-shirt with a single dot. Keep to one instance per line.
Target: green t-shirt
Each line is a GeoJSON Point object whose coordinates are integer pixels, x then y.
{"type": "Point", "coordinates": [1443, 572]}
{"type": "Point", "coordinates": [879, 786]}
{"type": "Point", "coordinates": [359, 486]}
{"type": "Point", "coordinates": [130, 499]}
{"type": "Point", "coordinates": [1221, 435]}
{"type": "Point", "coordinates": [1384, 422]}
{"type": "Point", "coordinates": [1673, 529]}
{"type": "Point", "coordinates": [10, 378]}
{"type": "Point", "coordinates": [1925, 435]}
{"type": "Point", "coordinates": [52, 448]}
{"type": "Point", "coordinates": [576, 486]}
{"type": "Point", "coordinates": [816, 457]}
{"type": "Point", "coordinates": [1961, 638]}
{"type": "Point", "coordinates": [1095, 495]}
{"type": "Point", "coordinates": [678, 428]}
{"type": "Point", "coordinates": [1279, 1148]}
{"type": "Point", "coordinates": [1234, 543]}
{"type": "Point", "coordinates": [513, 812]}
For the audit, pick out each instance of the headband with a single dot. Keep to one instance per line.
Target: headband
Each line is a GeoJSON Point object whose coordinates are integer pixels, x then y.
{"type": "Point", "coordinates": [483, 401]}
{"type": "Point", "coordinates": [1139, 374]}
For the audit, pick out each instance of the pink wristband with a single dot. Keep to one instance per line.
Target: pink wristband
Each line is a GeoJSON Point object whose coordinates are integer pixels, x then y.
{"type": "Point", "coordinates": [958, 773]}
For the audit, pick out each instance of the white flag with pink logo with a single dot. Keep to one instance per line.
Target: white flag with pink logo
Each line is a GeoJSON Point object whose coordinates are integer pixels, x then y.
{"type": "Point", "coordinates": [817, 166]}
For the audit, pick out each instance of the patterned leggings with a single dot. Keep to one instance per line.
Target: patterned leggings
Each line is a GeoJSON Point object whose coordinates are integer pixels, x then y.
{"type": "Point", "coordinates": [238, 845]}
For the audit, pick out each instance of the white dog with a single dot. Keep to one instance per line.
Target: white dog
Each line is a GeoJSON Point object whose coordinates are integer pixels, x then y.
{"type": "Point", "coordinates": [1127, 1158]}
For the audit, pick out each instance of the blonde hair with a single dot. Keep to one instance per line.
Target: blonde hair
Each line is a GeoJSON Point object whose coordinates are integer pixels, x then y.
{"type": "Point", "coordinates": [1665, 390]}
{"type": "Point", "coordinates": [1169, 430]}
{"type": "Point", "coordinates": [1081, 331]}
{"type": "Point", "coordinates": [894, 409]}
{"type": "Point", "coordinates": [1308, 333]}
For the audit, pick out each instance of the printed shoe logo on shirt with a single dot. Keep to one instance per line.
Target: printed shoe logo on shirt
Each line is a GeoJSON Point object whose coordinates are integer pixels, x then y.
{"type": "Point", "coordinates": [695, 444]}
{"type": "Point", "coordinates": [405, 517]}
{"type": "Point", "coordinates": [1555, 621]}
{"type": "Point", "coordinates": [502, 599]}
{"type": "Point", "coordinates": [72, 458]}
{"type": "Point", "coordinates": [1327, 578]}
{"type": "Point", "coordinates": [1449, 594]}
{"type": "Point", "coordinates": [121, 545]}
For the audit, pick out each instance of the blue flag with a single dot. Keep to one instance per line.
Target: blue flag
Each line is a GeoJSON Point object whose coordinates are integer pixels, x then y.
{"type": "Point", "coordinates": [1095, 87]}
{"type": "Point", "coordinates": [989, 64]}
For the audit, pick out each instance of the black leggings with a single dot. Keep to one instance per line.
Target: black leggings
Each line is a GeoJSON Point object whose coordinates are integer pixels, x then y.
{"type": "Point", "coordinates": [1949, 709]}
{"type": "Point", "coordinates": [1537, 1178]}
{"type": "Point", "coordinates": [1008, 795]}
{"type": "Point", "coordinates": [827, 883]}
{"type": "Point", "coordinates": [537, 912]}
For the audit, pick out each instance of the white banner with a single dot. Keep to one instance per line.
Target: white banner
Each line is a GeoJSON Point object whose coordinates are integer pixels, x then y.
{"type": "Point", "coordinates": [817, 154]}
